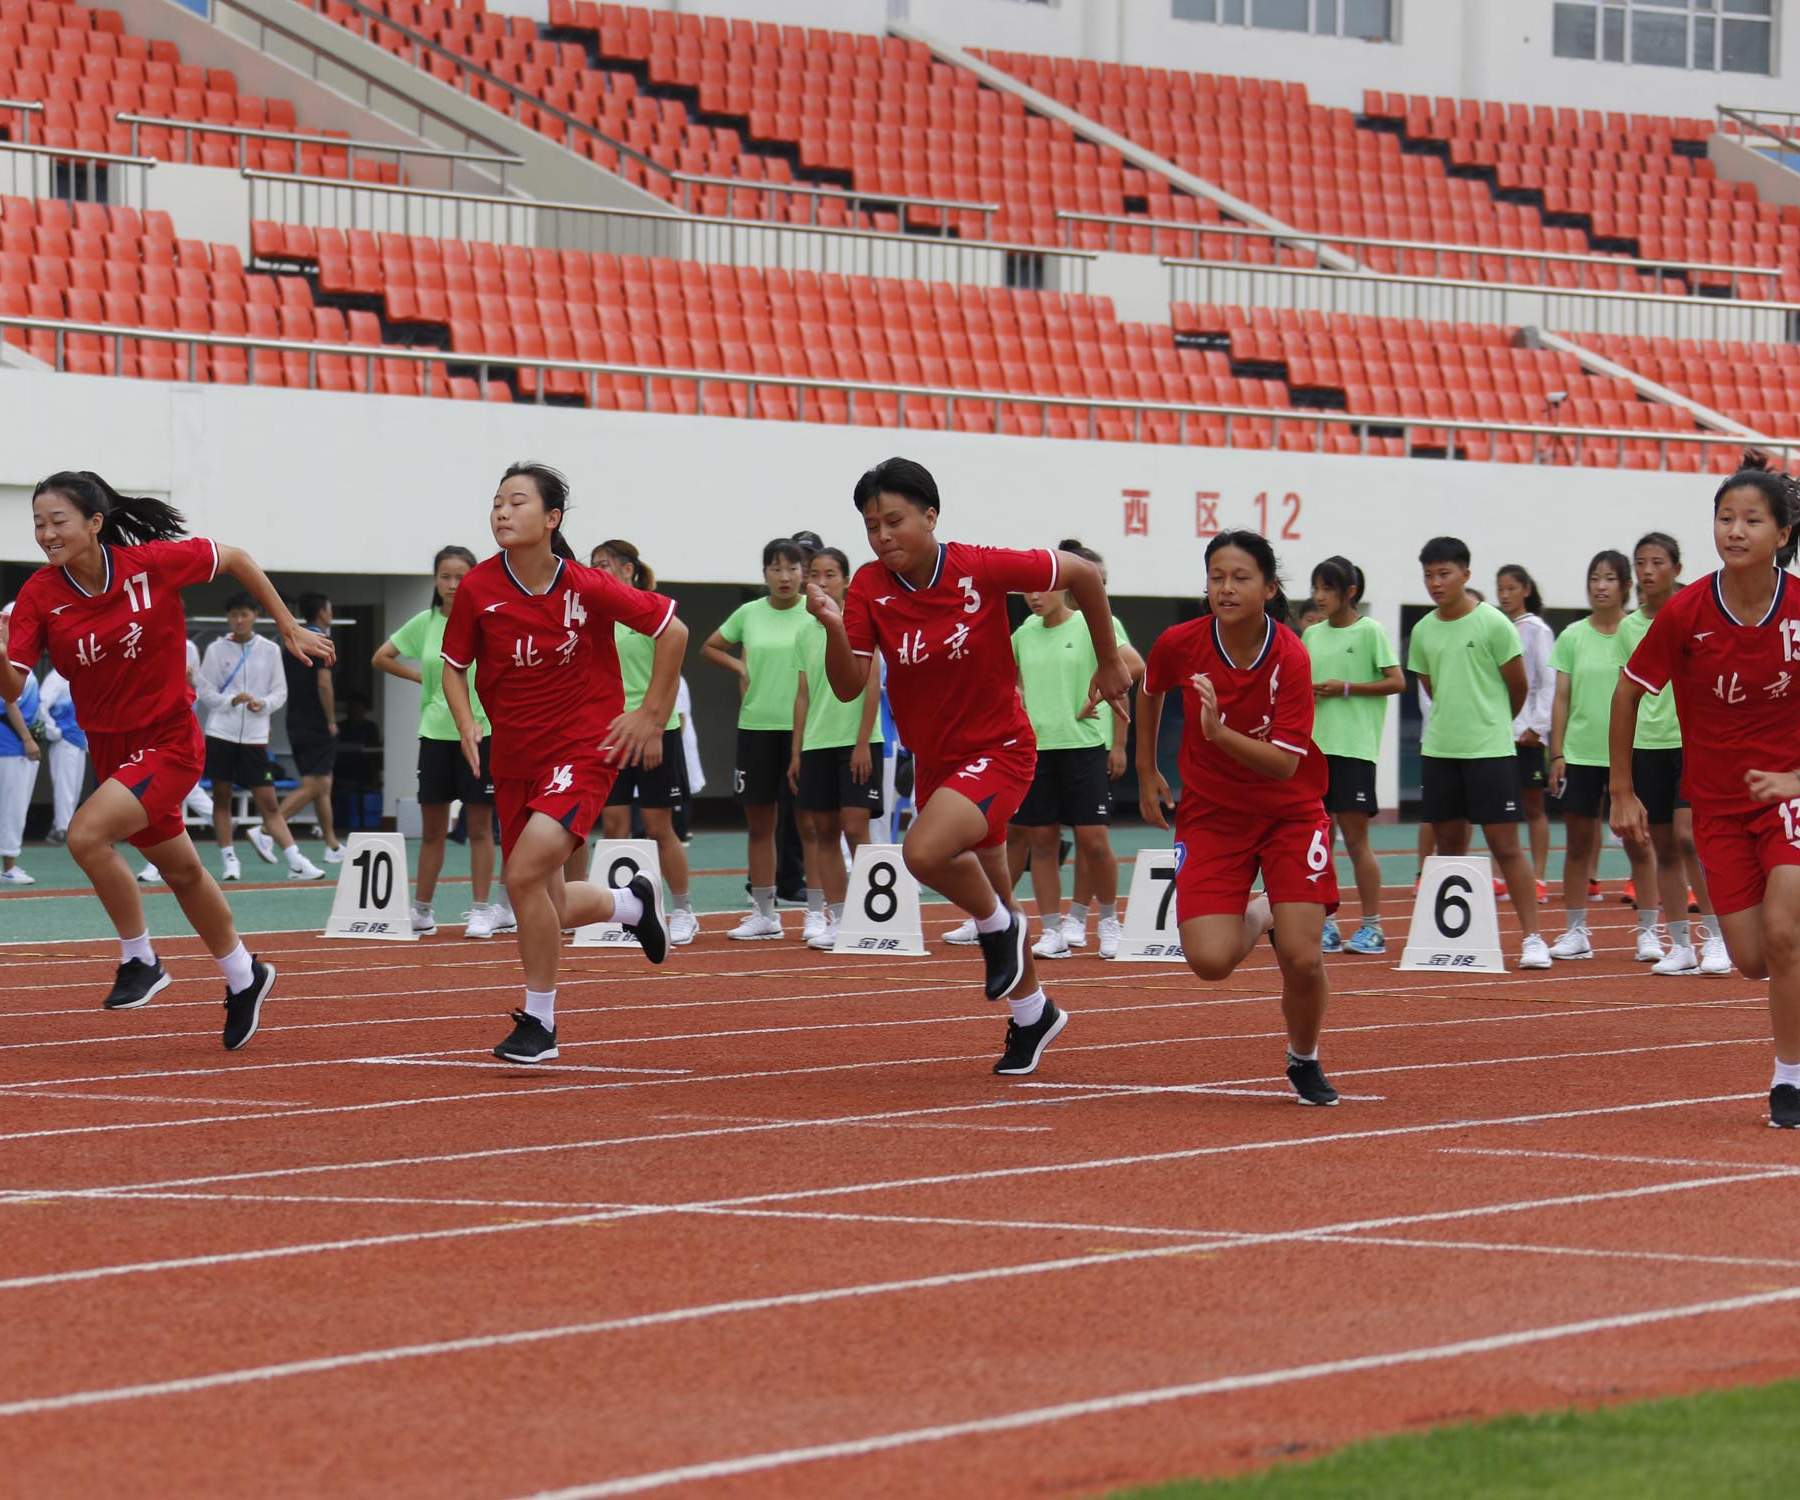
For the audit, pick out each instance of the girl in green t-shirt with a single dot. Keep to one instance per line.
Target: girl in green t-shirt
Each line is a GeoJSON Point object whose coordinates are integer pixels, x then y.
{"type": "Point", "coordinates": [444, 776]}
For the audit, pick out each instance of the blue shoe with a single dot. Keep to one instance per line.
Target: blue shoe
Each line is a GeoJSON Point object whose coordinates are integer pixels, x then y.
{"type": "Point", "coordinates": [1368, 939]}
{"type": "Point", "coordinates": [1332, 941]}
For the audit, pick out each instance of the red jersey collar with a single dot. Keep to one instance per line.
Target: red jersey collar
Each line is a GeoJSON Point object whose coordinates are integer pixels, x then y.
{"type": "Point", "coordinates": [1718, 593]}
{"type": "Point", "coordinates": [105, 587]}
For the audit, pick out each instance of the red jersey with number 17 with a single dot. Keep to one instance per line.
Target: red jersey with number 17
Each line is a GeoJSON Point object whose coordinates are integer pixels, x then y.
{"type": "Point", "coordinates": [123, 649]}
{"type": "Point", "coordinates": [1271, 699]}
{"type": "Point", "coordinates": [1736, 685]}
{"type": "Point", "coordinates": [952, 681]}
{"type": "Point", "coordinates": [549, 672]}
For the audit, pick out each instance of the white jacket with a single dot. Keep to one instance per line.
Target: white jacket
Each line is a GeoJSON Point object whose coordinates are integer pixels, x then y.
{"type": "Point", "coordinates": [1536, 638]}
{"type": "Point", "coordinates": [228, 669]}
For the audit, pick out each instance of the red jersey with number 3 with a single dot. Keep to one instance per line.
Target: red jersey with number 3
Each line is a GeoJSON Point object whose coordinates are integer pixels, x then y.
{"type": "Point", "coordinates": [549, 672]}
{"type": "Point", "coordinates": [123, 649]}
{"type": "Point", "coordinates": [952, 681]}
{"type": "Point", "coordinates": [1736, 685]}
{"type": "Point", "coordinates": [1270, 700]}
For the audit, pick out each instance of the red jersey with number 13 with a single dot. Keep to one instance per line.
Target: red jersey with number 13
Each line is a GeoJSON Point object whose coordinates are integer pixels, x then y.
{"type": "Point", "coordinates": [952, 681]}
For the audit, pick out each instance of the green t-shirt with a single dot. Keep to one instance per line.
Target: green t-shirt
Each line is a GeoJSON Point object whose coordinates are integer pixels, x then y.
{"type": "Point", "coordinates": [1359, 652]}
{"type": "Point", "coordinates": [421, 639]}
{"type": "Point", "coordinates": [831, 723]}
{"type": "Point", "coordinates": [1056, 667]}
{"type": "Point", "coordinates": [767, 635]}
{"type": "Point", "coordinates": [1657, 726]}
{"type": "Point", "coordinates": [1471, 711]}
{"type": "Point", "coordinates": [1591, 660]}
{"type": "Point", "coordinates": [637, 653]}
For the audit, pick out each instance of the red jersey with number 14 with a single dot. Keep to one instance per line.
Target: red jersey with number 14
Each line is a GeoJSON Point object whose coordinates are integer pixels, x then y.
{"type": "Point", "coordinates": [1736, 685]}
{"type": "Point", "coordinates": [1271, 700]}
{"type": "Point", "coordinates": [123, 649]}
{"type": "Point", "coordinates": [952, 681]}
{"type": "Point", "coordinates": [549, 672]}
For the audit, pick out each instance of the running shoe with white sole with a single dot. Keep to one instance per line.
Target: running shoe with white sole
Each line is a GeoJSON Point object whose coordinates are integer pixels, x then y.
{"type": "Point", "coordinates": [263, 845]}
{"type": "Point", "coordinates": [824, 936]}
{"type": "Point", "coordinates": [504, 920]}
{"type": "Point", "coordinates": [649, 931]}
{"type": "Point", "coordinates": [531, 1041]}
{"type": "Point", "coordinates": [684, 927]}
{"type": "Point", "coordinates": [1052, 944]}
{"type": "Point", "coordinates": [481, 921]}
{"type": "Point", "coordinates": [424, 919]}
{"type": "Point", "coordinates": [1649, 946]}
{"type": "Point", "coordinates": [243, 1008]}
{"type": "Point", "coordinates": [1680, 959]}
{"type": "Point", "coordinates": [304, 869]}
{"type": "Point", "coordinates": [812, 925]}
{"type": "Point", "coordinates": [1573, 944]}
{"type": "Point", "coordinates": [1310, 1082]}
{"type": "Point", "coordinates": [755, 928]}
{"type": "Point", "coordinates": [1004, 954]}
{"type": "Point", "coordinates": [1714, 959]}
{"type": "Point", "coordinates": [1025, 1044]}
{"type": "Point", "coordinates": [134, 984]}
{"type": "Point", "coordinates": [1330, 939]}
{"type": "Point", "coordinates": [1110, 932]}
{"type": "Point", "coordinates": [1367, 939]}
{"type": "Point", "coordinates": [963, 936]}
{"type": "Point", "coordinates": [1784, 1107]}
{"type": "Point", "coordinates": [1534, 954]}
{"type": "Point", "coordinates": [149, 875]}
{"type": "Point", "coordinates": [17, 875]}
{"type": "Point", "coordinates": [1074, 933]}
{"type": "Point", "coordinates": [335, 856]}
{"type": "Point", "coordinates": [229, 868]}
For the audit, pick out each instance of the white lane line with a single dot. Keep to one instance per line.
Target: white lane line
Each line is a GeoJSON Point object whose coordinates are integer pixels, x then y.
{"type": "Point", "coordinates": [1640, 1161]}
{"type": "Point", "coordinates": [76, 1098]}
{"type": "Point", "coordinates": [491, 1064]}
{"type": "Point", "coordinates": [869, 1124]}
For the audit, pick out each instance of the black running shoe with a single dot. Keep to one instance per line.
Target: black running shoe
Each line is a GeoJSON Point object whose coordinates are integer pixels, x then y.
{"type": "Point", "coordinates": [1309, 1081]}
{"type": "Point", "coordinates": [652, 937]}
{"type": "Point", "coordinates": [1025, 1044]}
{"type": "Point", "coordinates": [1784, 1107]}
{"type": "Point", "coordinates": [531, 1041]}
{"type": "Point", "coordinates": [1004, 954]}
{"type": "Point", "coordinates": [135, 983]}
{"type": "Point", "coordinates": [243, 1008]}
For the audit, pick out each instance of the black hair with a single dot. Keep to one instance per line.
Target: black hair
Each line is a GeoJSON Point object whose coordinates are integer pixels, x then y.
{"type": "Point", "coordinates": [1665, 541]}
{"type": "Point", "coordinates": [837, 556]}
{"type": "Point", "coordinates": [1611, 557]}
{"type": "Point", "coordinates": [241, 600]}
{"type": "Point", "coordinates": [128, 519]}
{"type": "Point", "coordinates": [811, 540]}
{"type": "Point", "coordinates": [902, 477]}
{"type": "Point", "coordinates": [1534, 601]}
{"type": "Point", "coordinates": [1341, 574]}
{"type": "Point", "coordinates": [1263, 555]}
{"type": "Point", "coordinates": [309, 605]}
{"type": "Point", "coordinates": [786, 550]}
{"type": "Point", "coordinates": [1444, 549]}
{"type": "Point", "coordinates": [641, 575]}
{"type": "Point", "coordinates": [553, 490]}
{"type": "Point", "coordinates": [1087, 554]}
{"type": "Point", "coordinates": [1780, 490]}
{"type": "Point", "coordinates": [444, 554]}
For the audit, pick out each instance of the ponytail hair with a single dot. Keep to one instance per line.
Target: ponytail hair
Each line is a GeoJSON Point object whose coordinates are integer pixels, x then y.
{"type": "Point", "coordinates": [1534, 601]}
{"type": "Point", "coordinates": [1780, 490]}
{"type": "Point", "coordinates": [553, 490]}
{"type": "Point", "coordinates": [1341, 574]}
{"type": "Point", "coordinates": [1263, 555]}
{"type": "Point", "coordinates": [126, 520]}
{"type": "Point", "coordinates": [444, 554]}
{"type": "Point", "coordinates": [641, 576]}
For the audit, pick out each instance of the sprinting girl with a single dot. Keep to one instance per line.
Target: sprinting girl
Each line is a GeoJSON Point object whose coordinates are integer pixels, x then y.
{"type": "Point", "coordinates": [765, 630]}
{"type": "Point", "coordinates": [540, 626]}
{"type": "Point", "coordinates": [1728, 645]}
{"type": "Point", "coordinates": [834, 768]}
{"type": "Point", "coordinates": [937, 613]}
{"type": "Point", "coordinates": [1656, 774]}
{"type": "Point", "coordinates": [1252, 791]}
{"type": "Point", "coordinates": [1516, 592]}
{"type": "Point", "coordinates": [659, 785]}
{"type": "Point", "coordinates": [444, 778]}
{"type": "Point", "coordinates": [108, 607]}
{"type": "Point", "coordinates": [1354, 672]}
{"type": "Point", "coordinates": [1587, 658]}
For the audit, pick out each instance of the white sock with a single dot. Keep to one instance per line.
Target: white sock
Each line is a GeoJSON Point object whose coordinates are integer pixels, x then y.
{"type": "Point", "coordinates": [1109, 911]}
{"type": "Point", "coordinates": [227, 852]}
{"type": "Point", "coordinates": [681, 901]}
{"type": "Point", "coordinates": [138, 948]}
{"type": "Point", "coordinates": [235, 966]}
{"type": "Point", "coordinates": [1786, 1073]}
{"type": "Point", "coordinates": [1052, 922]}
{"type": "Point", "coordinates": [1078, 914]}
{"type": "Point", "coordinates": [995, 921]}
{"type": "Point", "coordinates": [628, 910]}
{"type": "Point", "coordinates": [540, 1005]}
{"type": "Point", "coordinates": [1678, 935]}
{"type": "Point", "coordinates": [763, 897]}
{"type": "Point", "coordinates": [1027, 1011]}
{"type": "Point", "coordinates": [815, 898]}
{"type": "Point", "coordinates": [1576, 920]}
{"type": "Point", "coordinates": [294, 857]}
{"type": "Point", "coordinates": [835, 909]}
{"type": "Point", "coordinates": [1648, 917]}
{"type": "Point", "coordinates": [1312, 1056]}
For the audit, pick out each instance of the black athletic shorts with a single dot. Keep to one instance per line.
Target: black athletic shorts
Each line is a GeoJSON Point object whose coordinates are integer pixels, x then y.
{"type": "Point", "coordinates": [314, 755]}
{"type": "Point", "coordinates": [1534, 768]}
{"type": "Point", "coordinates": [1069, 787]}
{"type": "Point", "coordinates": [445, 777]}
{"type": "Point", "coordinates": [1352, 786]}
{"type": "Point", "coordinates": [826, 784]}
{"type": "Point", "coordinates": [654, 786]}
{"type": "Point", "coordinates": [762, 762]}
{"type": "Point", "coordinates": [1584, 790]}
{"type": "Point", "coordinates": [1483, 790]}
{"type": "Point", "coordinates": [247, 766]}
{"type": "Point", "coordinates": [1657, 776]}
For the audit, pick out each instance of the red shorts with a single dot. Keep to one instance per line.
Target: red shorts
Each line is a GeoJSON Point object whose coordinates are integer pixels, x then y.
{"type": "Point", "coordinates": [573, 792]}
{"type": "Point", "coordinates": [1739, 850]}
{"type": "Point", "coordinates": [996, 783]}
{"type": "Point", "coordinates": [159, 766]}
{"type": "Point", "coordinates": [1217, 857]}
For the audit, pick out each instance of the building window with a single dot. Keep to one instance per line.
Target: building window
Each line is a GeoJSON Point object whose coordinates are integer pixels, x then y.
{"type": "Point", "coordinates": [1727, 36]}
{"type": "Point", "coordinates": [1368, 20]}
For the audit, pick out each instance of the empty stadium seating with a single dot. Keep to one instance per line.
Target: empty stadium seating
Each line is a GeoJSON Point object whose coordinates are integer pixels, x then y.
{"type": "Point", "coordinates": [1756, 384]}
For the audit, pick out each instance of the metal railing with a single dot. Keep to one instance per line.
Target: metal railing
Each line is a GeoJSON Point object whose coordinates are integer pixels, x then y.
{"type": "Point", "coordinates": [25, 107]}
{"type": "Point", "coordinates": [864, 199]}
{"type": "Point", "coordinates": [354, 150]}
{"type": "Point", "coordinates": [74, 176]}
{"type": "Point", "coordinates": [327, 203]}
{"type": "Point", "coordinates": [1315, 243]}
{"type": "Point", "coordinates": [1779, 128]}
{"type": "Point", "coordinates": [1549, 443]}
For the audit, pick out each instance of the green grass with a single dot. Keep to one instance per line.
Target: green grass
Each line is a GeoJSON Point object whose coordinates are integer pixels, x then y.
{"type": "Point", "coordinates": [1723, 1445]}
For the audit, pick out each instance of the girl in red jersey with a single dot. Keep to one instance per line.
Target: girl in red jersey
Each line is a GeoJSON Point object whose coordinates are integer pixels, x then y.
{"type": "Point", "coordinates": [937, 613]}
{"type": "Point", "coordinates": [108, 608]}
{"type": "Point", "coordinates": [1729, 645]}
{"type": "Point", "coordinates": [541, 627]}
{"type": "Point", "coordinates": [1252, 791]}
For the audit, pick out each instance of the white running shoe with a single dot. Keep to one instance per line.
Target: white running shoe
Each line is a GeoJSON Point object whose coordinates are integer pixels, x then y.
{"type": "Point", "coordinates": [504, 920]}
{"type": "Point", "coordinates": [812, 925]}
{"type": "Point", "coordinates": [1534, 954]}
{"type": "Point", "coordinates": [1575, 943]}
{"type": "Point", "coordinates": [1713, 957]}
{"type": "Point", "coordinates": [150, 875]}
{"type": "Point", "coordinates": [1052, 944]}
{"type": "Point", "coordinates": [1649, 946]}
{"type": "Point", "coordinates": [963, 936]}
{"type": "Point", "coordinates": [1110, 933]}
{"type": "Point", "coordinates": [424, 920]}
{"type": "Point", "coordinates": [1681, 959]}
{"type": "Point", "coordinates": [755, 928]}
{"type": "Point", "coordinates": [263, 845]}
{"type": "Point", "coordinates": [17, 876]}
{"type": "Point", "coordinates": [824, 936]}
{"type": "Point", "coordinates": [305, 869]}
{"type": "Point", "coordinates": [481, 920]}
{"type": "Point", "coordinates": [1074, 933]}
{"type": "Point", "coordinates": [229, 869]}
{"type": "Point", "coordinates": [335, 856]}
{"type": "Point", "coordinates": [684, 927]}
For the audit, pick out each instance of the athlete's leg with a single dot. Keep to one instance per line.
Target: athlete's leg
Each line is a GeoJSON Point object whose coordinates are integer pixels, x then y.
{"type": "Point", "coordinates": [1298, 929]}
{"type": "Point", "coordinates": [1521, 884]}
{"type": "Point", "coordinates": [1355, 828]}
{"type": "Point", "coordinates": [434, 829]}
